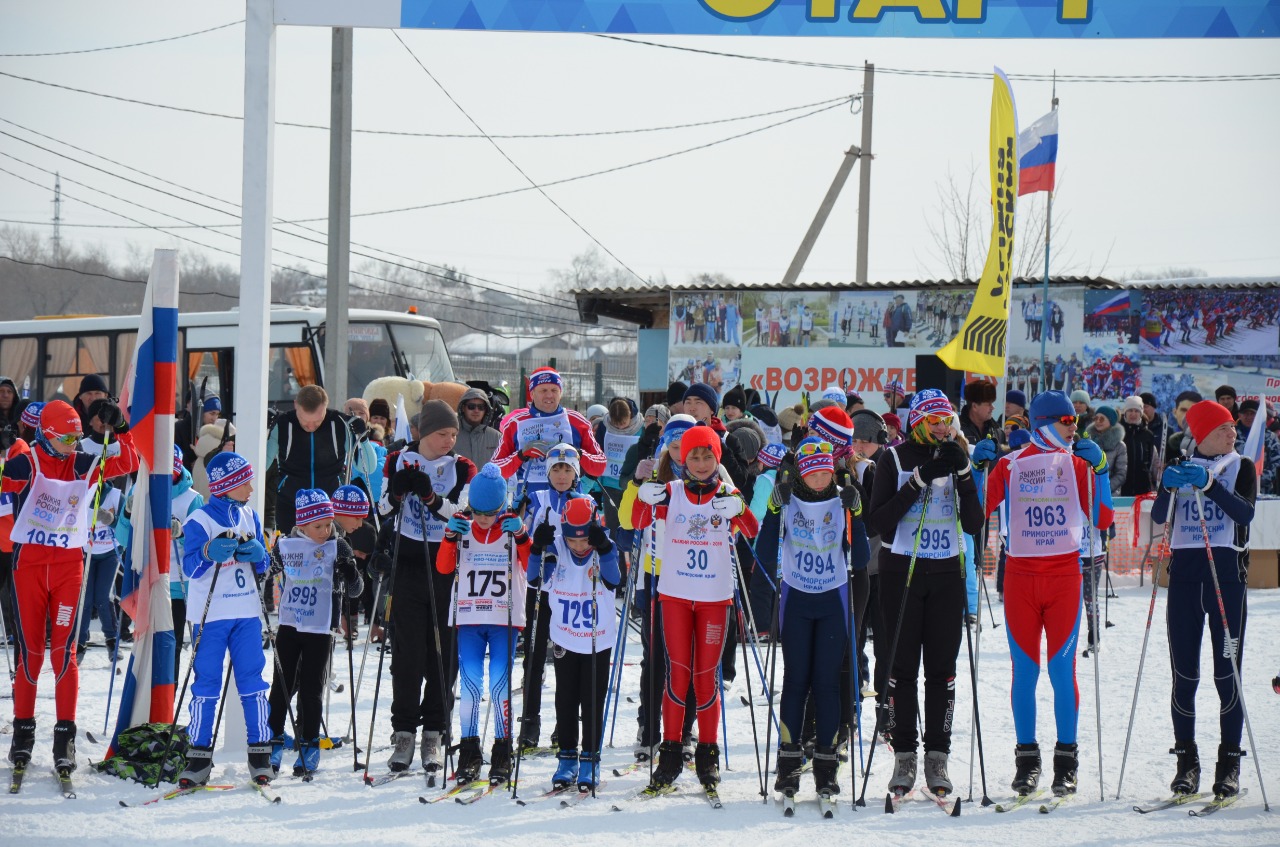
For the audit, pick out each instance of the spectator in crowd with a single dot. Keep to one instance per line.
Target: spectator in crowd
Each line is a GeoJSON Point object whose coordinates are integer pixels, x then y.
{"type": "Point", "coordinates": [310, 442]}
{"type": "Point", "coordinates": [1270, 447]}
{"type": "Point", "coordinates": [976, 416]}
{"type": "Point", "coordinates": [214, 438]}
{"type": "Point", "coordinates": [356, 407]}
{"type": "Point", "coordinates": [1140, 446]}
{"type": "Point", "coordinates": [11, 406]}
{"type": "Point", "coordinates": [92, 387]}
{"type": "Point", "coordinates": [1015, 403]}
{"type": "Point", "coordinates": [1226, 397]}
{"type": "Point", "coordinates": [1181, 404]}
{"type": "Point", "coordinates": [476, 439]}
{"type": "Point", "coordinates": [1110, 438]}
{"type": "Point", "coordinates": [380, 415]}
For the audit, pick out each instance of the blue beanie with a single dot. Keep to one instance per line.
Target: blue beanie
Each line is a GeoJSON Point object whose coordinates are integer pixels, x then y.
{"type": "Point", "coordinates": [1018, 438]}
{"type": "Point", "coordinates": [1048, 407]}
{"type": "Point", "coordinates": [1109, 413]}
{"type": "Point", "coordinates": [1016, 397]}
{"type": "Point", "coordinates": [211, 404]}
{"type": "Point", "coordinates": [705, 393]}
{"type": "Point", "coordinates": [488, 490]}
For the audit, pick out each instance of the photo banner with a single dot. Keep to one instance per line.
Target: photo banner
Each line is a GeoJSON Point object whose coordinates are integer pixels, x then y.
{"type": "Point", "coordinates": [981, 345]}
{"type": "Point", "coordinates": [1070, 19]}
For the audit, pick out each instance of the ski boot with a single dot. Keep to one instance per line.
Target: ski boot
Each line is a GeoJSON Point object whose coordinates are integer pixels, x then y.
{"type": "Point", "coordinates": [196, 771]}
{"type": "Point", "coordinates": [904, 773]}
{"type": "Point", "coordinates": [935, 773]}
{"type": "Point", "coordinates": [825, 765]}
{"type": "Point", "coordinates": [277, 752]}
{"type": "Point", "coordinates": [308, 760]}
{"type": "Point", "coordinates": [260, 770]}
{"type": "Point", "coordinates": [643, 750]}
{"type": "Point", "coordinates": [790, 760]}
{"type": "Point", "coordinates": [469, 760]}
{"type": "Point", "coordinates": [670, 763]}
{"type": "Point", "coordinates": [1065, 763]}
{"type": "Point", "coordinates": [500, 761]}
{"type": "Point", "coordinates": [430, 752]}
{"type": "Point", "coordinates": [706, 761]}
{"type": "Point", "coordinates": [402, 755]}
{"type": "Point", "coordinates": [1187, 778]}
{"type": "Point", "coordinates": [689, 744]}
{"type": "Point", "coordinates": [64, 747]}
{"type": "Point", "coordinates": [566, 769]}
{"type": "Point", "coordinates": [1026, 759]}
{"type": "Point", "coordinates": [530, 730]}
{"type": "Point", "coordinates": [588, 772]}
{"type": "Point", "coordinates": [1226, 776]}
{"type": "Point", "coordinates": [24, 740]}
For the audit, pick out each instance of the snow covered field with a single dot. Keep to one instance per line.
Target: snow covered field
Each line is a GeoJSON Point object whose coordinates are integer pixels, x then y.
{"type": "Point", "coordinates": [338, 809]}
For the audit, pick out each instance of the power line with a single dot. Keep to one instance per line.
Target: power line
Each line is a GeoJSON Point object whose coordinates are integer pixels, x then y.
{"type": "Point", "coordinates": [512, 162]}
{"type": "Point", "coordinates": [82, 272]}
{"type": "Point", "coordinates": [414, 134]}
{"type": "Point", "coordinates": [942, 74]}
{"type": "Point", "coordinates": [122, 46]}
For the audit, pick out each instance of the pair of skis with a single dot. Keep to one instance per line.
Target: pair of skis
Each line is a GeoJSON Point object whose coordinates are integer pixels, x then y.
{"type": "Point", "coordinates": [895, 800]}
{"type": "Point", "coordinates": [64, 781]}
{"type": "Point", "coordinates": [264, 791]}
{"type": "Point", "coordinates": [649, 792]}
{"type": "Point", "coordinates": [1020, 800]}
{"type": "Point", "coordinates": [826, 805]}
{"type": "Point", "coordinates": [1216, 803]}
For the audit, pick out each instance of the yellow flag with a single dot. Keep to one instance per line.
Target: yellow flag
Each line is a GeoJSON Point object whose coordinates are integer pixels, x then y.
{"type": "Point", "coordinates": [980, 346]}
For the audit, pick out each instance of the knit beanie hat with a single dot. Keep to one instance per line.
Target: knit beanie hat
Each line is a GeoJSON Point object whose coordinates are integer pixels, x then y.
{"type": "Point", "coordinates": [813, 455]}
{"type": "Point", "coordinates": [1077, 396]}
{"type": "Point", "coordinates": [312, 505]}
{"type": "Point", "coordinates": [1016, 397]}
{"type": "Point", "coordinates": [545, 376]}
{"type": "Point", "coordinates": [895, 386]}
{"type": "Point", "coordinates": [350, 500]}
{"type": "Point", "coordinates": [1134, 403]}
{"type": "Point", "coordinates": [92, 382]}
{"type": "Point", "coordinates": [1223, 391]}
{"type": "Point", "coordinates": [772, 455]}
{"type": "Point", "coordinates": [660, 413]}
{"type": "Point", "coordinates": [675, 392]}
{"type": "Point", "coordinates": [747, 439]}
{"type": "Point", "coordinates": [211, 404]}
{"type": "Point", "coordinates": [58, 419]}
{"type": "Point", "coordinates": [894, 421]}
{"type": "Point", "coordinates": [868, 426]}
{"type": "Point", "coordinates": [930, 401]}
{"type": "Point", "coordinates": [705, 393]}
{"type": "Point", "coordinates": [177, 463]}
{"type": "Point", "coordinates": [833, 426]}
{"type": "Point", "coordinates": [228, 471]}
{"type": "Point", "coordinates": [31, 414]}
{"type": "Point", "coordinates": [379, 408]}
{"type": "Point", "coordinates": [577, 516]}
{"type": "Point", "coordinates": [488, 490]}
{"type": "Point", "coordinates": [1109, 413]}
{"type": "Point", "coordinates": [1019, 438]}
{"type": "Point", "coordinates": [736, 398]}
{"type": "Point", "coordinates": [436, 415]}
{"type": "Point", "coordinates": [835, 393]}
{"type": "Point", "coordinates": [1206, 416]}
{"type": "Point", "coordinates": [1049, 406]}
{"type": "Point", "coordinates": [699, 436]}
{"type": "Point", "coordinates": [676, 427]}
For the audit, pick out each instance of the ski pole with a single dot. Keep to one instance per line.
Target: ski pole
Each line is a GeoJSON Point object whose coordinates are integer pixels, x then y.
{"type": "Point", "coordinates": [382, 654]}
{"type": "Point", "coordinates": [1231, 647]}
{"type": "Point", "coordinates": [351, 680]}
{"type": "Point", "coordinates": [883, 696]}
{"type": "Point", "coordinates": [751, 706]}
{"type": "Point", "coordinates": [597, 726]}
{"type": "Point", "coordinates": [529, 652]}
{"type": "Point", "coordinates": [446, 692]}
{"type": "Point", "coordinates": [775, 631]}
{"type": "Point", "coordinates": [222, 700]}
{"type": "Point", "coordinates": [505, 712]}
{"type": "Point", "coordinates": [289, 690]}
{"type": "Point", "coordinates": [1146, 634]}
{"type": "Point", "coordinates": [614, 693]}
{"type": "Point", "coordinates": [364, 653]}
{"type": "Point", "coordinates": [1097, 634]}
{"type": "Point", "coordinates": [115, 656]}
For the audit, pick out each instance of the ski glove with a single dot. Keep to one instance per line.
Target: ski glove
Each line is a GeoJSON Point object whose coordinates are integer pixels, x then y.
{"type": "Point", "coordinates": [512, 524]}
{"type": "Point", "coordinates": [459, 524]}
{"type": "Point", "coordinates": [934, 469]}
{"type": "Point", "coordinates": [730, 504]}
{"type": "Point", "coordinates": [598, 538]}
{"type": "Point", "coordinates": [251, 551]}
{"type": "Point", "coordinates": [1088, 449]}
{"type": "Point", "coordinates": [782, 491]}
{"type": "Point", "coordinates": [850, 500]}
{"type": "Point", "coordinates": [535, 451]}
{"type": "Point", "coordinates": [409, 479]}
{"type": "Point", "coordinates": [1188, 473]}
{"type": "Point", "coordinates": [544, 536]}
{"type": "Point", "coordinates": [653, 493]}
{"type": "Point", "coordinates": [380, 563]}
{"type": "Point", "coordinates": [175, 528]}
{"type": "Point", "coordinates": [954, 454]}
{"type": "Point", "coordinates": [111, 416]}
{"type": "Point", "coordinates": [644, 469]}
{"type": "Point", "coordinates": [221, 549]}
{"type": "Point", "coordinates": [987, 450]}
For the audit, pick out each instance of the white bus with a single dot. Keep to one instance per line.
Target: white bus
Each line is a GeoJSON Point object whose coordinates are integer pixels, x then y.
{"type": "Point", "coordinates": [48, 357]}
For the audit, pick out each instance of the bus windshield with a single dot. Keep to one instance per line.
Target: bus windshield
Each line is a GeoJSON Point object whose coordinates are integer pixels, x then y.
{"type": "Point", "coordinates": [378, 349]}
{"type": "Point", "coordinates": [422, 349]}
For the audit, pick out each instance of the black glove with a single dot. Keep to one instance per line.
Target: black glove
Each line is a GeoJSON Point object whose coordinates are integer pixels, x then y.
{"type": "Point", "coordinates": [648, 443]}
{"type": "Point", "coordinates": [544, 536]}
{"type": "Point", "coordinates": [598, 538]}
{"type": "Point", "coordinates": [345, 568]}
{"type": "Point", "coordinates": [934, 469]}
{"type": "Point", "coordinates": [277, 565]}
{"type": "Point", "coordinates": [380, 563]}
{"type": "Point", "coordinates": [782, 490]}
{"type": "Point", "coordinates": [111, 416]}
{"type": "Point", "coordinates": [850, 499]}
{"type": "Point", "coordinates": [408, 479]}
{"type": "Point", "coordinates": [358, 427]}
{"type": "Point", "coordinates": [953, 454]}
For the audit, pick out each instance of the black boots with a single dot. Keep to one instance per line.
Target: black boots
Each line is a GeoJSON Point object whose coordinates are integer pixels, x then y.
{"type": "Point", "coordinates": [706, 761]}
{"type": "Point", "coordinates": [790, 760]}
{"type": "Point", "coordinates": [470, 760]}
{"type": "Point", "coordinates": [64, 746]}
{"type": "Point", "coordinates": [24, 740]}
{"type": "Point", "coordinates": [1065, 764]}
{"type": "Point", "coordinates": [670, 763]}
{"type": "Point", "coordinates": [500, 761]}
{"type": "Point", "coordinates": [1226, 776]}
{"type": "Point", "coordinates": [825, 765]}
{"type": "Point", "coordinates": [1187, 778]}
{"type": "Point", "coordinates": [1026, 758]}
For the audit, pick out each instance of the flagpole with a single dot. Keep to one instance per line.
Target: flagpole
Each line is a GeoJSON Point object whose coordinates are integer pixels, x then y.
{"type": "Point", "coordinates": [1044, 300]}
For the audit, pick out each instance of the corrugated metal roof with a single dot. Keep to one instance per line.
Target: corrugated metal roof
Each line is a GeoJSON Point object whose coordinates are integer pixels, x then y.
{"type": "Point", "coordinates": [1206, 282]}
{"type": "Point", "coordinates": [631, 287]}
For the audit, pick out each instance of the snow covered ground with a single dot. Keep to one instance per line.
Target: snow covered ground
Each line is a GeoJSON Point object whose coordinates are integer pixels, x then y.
{"type": "Point", "coordinates": [338, 809]}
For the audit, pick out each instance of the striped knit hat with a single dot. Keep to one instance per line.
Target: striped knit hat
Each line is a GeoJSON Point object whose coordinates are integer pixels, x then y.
{"type": "Point", "coordinates": [350, 500]}
{"type": "Point", "coordinates": [228, 471]}
{"type": "Point", "coordinates": [813, 455]}
{"type": "Point", "coordinates": [772, 455]}
{"type": "Point", "coordinates": [930, 401]}
{"type": "Point", "coordinates": [545, 376]}
{"type": "Point", "coordinates": [312, 505]}
{"type": "Point", "coordinates": [832, 425]}
{"type": "Point", "coordinates": [31, 415]}
{"type": "Point", "coordinates": [177, 462]}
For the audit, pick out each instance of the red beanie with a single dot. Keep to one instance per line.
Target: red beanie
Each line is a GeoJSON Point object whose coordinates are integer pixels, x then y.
{"type": "Point", "coordinates": [57, 419]}
{"type": "Point", "coordinates": [699, 436]}
{"type": "Point", "coordinates": [1206, 416]}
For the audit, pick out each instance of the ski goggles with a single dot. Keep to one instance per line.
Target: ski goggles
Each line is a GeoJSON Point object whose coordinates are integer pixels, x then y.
{"type": "Point", "coordinates": [68, 439]}
{"type": "Point", "coordinates": [1068, 420]}
{"type": "Point", "coordinates": [476, 513]}
{"type": "Point", "coordinates": [813, 448]}
{"type": "Point", "coordinates": [935, 419]}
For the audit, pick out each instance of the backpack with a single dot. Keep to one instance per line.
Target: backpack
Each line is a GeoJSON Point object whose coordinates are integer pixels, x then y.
{"type": "Point", "coordinates": [139, 751]}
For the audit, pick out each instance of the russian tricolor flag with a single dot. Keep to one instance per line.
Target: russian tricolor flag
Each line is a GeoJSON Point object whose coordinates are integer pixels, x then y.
{"type": "Point", "coordinates": [1254, 442]}
{"type": "Point", "coordinates": [1116, 305]}
{"type": "Point", "coordinates": [1038, 155]}
{"type": "Point", "coordinates": [148, 395]}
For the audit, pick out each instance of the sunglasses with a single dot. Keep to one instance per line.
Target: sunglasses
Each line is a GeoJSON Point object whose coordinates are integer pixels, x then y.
{"type": "Point", "coordinates": [814, 449]}
{"type": "Point", "coordinates": [475, 407]}
{"type": "Point", "coordinates": [476, 513]}
{"type": "Point", "coordinates": [932, 420]}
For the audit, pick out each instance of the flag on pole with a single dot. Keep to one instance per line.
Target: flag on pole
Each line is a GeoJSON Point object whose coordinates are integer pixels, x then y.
{"type": "Point", "coordinates": [148, 396]}
{"type": "Point", "coordinates": [980, 345]}
{"type": "Point", "coordinates": [402, 420]}
{"type": "Point", "coordinates": [1116, 305]}
{"type": "Point", "coordinates": [1254, 443]}
{"type": "Point", "coordinates": [1038, 155]}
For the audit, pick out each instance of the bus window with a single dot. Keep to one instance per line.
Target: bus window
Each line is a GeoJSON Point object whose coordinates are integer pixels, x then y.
{"type": "Point", "coordinates": [204, 375]}
{"type": "Point", "coordinates": [71, 359]}
{"type": "Point", "coordinates": [290, 369]}
{"type": "Point", "coordinates": [369, 355]}
{"type": "Point", "coordinates": [423, 350]}
{"type": "Point", "coordinates": [18, 362]}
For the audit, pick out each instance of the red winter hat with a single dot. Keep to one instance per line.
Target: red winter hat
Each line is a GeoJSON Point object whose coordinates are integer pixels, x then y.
{"type": "Point", "coordinates": [1206, 416]}
{"type": "Point", "coordinates": [576, 517]}
{"type": "Point", "coordinates": [699, 436]}
{"type": "Point", "coordinates": [58, 419]}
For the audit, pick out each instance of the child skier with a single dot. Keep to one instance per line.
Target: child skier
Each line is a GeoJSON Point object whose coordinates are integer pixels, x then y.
{"type": "Point", "coordinates": [1051, 495]}
{"type": "Point", "coordinates": [933, 461]}
{"type": "Point", "coordinates": [222, 556]}
{"type": "Point", "coordinates": [699, 514]}
{"type": "Point", "coordinates": [542, 517]}
{"type": "Point", "coordinates": [318, 570]}
{"type": "Point", "coordinates": [351, 510]}
{"type": "Point", "coordinates": [819, 526]}
{"type": "Point", "coordinates": [579, 570]}
{"type": "Point", "coordinates": [1224, 484]}
{"type": "Point", "coordinates": [52, 487]}
{"type": "Point", "coordinates": [488, 550]}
